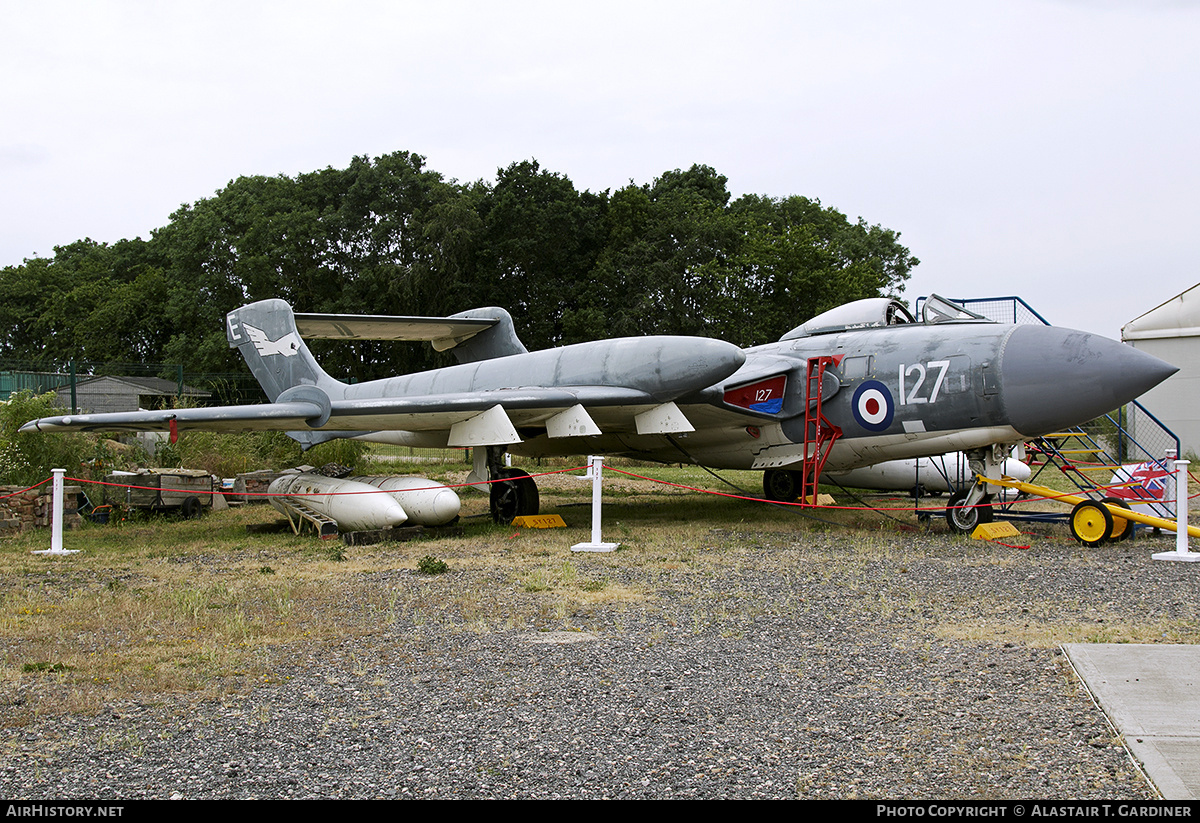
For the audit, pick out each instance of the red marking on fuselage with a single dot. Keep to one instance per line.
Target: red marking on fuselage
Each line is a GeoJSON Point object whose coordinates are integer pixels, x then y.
{"type": "Point", "coordinates": [765, 395]}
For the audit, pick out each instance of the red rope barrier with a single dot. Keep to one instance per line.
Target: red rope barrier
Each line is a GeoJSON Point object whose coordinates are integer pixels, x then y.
{"type": "Point", "coordinates": [312, 494]}
{"type": "Point", "coordinates": [847, 508]}
{"type": "Point", "coordinates": [31, 488]}
{"type": "Point", "coordinates": [917, 509]}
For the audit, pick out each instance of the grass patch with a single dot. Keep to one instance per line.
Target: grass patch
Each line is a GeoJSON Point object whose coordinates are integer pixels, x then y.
{"type": "Point", "coordinates": [1051, 634]}
{"type": "Point", "coordinates": [203, 607]}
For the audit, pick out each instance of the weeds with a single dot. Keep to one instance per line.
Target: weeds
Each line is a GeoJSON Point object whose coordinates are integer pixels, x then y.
{"type": "Point", "coordinates": [431, 565]}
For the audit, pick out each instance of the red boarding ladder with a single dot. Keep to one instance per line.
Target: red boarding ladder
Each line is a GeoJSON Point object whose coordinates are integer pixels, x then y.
{"type": "Point", "coordinates": [819, 433]}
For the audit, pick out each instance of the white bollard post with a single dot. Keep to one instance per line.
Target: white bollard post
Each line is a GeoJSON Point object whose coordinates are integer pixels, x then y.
{"type": "Point", "coordinates": [1181, 506]}
{"type": "Point", "coordinates": [1181, 552]}
{"type": "Point", "coordinates": [1169, 497]}
{"type": "Point", "coordinates": [56, 517]}
{"type": "Point", "coordinates": [595, 470]}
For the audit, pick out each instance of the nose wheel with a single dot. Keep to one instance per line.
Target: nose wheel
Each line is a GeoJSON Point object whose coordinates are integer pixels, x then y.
{"type": "Point", "coordinates": [963, 515]}
{"type": "Point", "coordinates": [971, 507]}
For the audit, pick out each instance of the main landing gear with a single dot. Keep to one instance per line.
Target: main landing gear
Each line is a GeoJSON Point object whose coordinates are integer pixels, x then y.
{"type": "Point", "coordinates": [782, 485]}
{"type": "Point", "coordinates": [515, 494]}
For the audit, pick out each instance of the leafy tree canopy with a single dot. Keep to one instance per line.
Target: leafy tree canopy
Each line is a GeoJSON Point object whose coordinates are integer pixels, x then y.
{"type": "Point", "coordinates": [387, 235]}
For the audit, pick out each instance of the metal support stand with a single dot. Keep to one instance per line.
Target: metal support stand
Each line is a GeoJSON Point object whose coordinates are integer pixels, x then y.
{"type": "Point", "coordinates": [56, 523]}
{"type": "Point", "coordinates": [299, 514]}
{"type": "Point", "coordinates": [595, 468]}
{"type": "Point", "coordinates": [1181, 553]}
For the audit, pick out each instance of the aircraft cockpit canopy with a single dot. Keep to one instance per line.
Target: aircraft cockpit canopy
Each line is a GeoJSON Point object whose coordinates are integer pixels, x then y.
{"type": "Point", "coordinates": [937, 309]}
{"type": "Point", "coordinates": [861, 314]}
{"type": "Point", "coordinates": [875, 312]}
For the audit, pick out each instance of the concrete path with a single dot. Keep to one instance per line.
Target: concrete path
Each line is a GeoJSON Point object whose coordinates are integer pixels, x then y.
{"type": "Point", "coordinates": [1150, 694]}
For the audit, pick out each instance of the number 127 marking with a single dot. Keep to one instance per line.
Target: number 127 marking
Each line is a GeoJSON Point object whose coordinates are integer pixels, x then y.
{"type": "Point", "coordinates": [912, 396]}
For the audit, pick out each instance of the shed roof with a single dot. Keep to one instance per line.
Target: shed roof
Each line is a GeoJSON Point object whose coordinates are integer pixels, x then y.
{"type": "Point", "coordinates": [1178, 317]}
{"type": "Point", "coordinates": [144, 385]}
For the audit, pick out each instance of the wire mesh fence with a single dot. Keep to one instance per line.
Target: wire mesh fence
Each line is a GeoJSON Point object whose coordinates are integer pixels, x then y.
{"type": "Point", "coordinates": [999, 309]}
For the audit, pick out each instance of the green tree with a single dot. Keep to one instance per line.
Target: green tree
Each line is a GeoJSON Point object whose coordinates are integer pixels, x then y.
{"type": "Point", "coordinates": [670, 265]}
{"type": "Point", "coordinates": [539, 242]}
{"type": "Point", "coordinates": [802, 259]}
{"type": "Point", "coordinates": [91, 303]}
{"type": "Point", "coordinates": [337, 240]}
{"type": "Point", "coordinates": [387, 235]}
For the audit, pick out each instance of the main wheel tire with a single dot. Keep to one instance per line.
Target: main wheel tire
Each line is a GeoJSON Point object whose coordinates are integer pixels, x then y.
{"type": "Point", "coordinates": [1122, 527]}
{"type": "Point", "coordinates": [1091, 523]}
{"type": "Point", "coordinates": [514, 496]}
{"type": "Point", "coordinates": [782, 485]}
{"type": "Point", "coordinates": [964, 520]}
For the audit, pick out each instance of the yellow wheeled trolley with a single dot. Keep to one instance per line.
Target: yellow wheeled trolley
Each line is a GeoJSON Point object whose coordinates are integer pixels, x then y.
{"type": "Point", "coordinates": [1094, 522]}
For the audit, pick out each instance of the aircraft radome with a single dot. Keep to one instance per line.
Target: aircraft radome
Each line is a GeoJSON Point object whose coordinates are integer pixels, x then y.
{"type": "Point", "coordinates": [860, 384]}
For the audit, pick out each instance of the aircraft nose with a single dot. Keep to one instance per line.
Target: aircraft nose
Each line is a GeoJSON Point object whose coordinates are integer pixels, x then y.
{"type": "Point", "coordinates": [1054, 378]}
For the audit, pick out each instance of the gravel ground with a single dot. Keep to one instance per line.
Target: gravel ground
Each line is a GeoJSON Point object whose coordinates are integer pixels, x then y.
{"type": "Point", "coordinates": [915, 666]}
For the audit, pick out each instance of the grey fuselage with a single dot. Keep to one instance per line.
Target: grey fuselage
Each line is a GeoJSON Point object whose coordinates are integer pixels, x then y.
{"type": "Point", "coordinates": [900, 391]}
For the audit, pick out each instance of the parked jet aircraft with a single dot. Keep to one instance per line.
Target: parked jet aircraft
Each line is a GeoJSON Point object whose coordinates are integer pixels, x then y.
{"type": "Point", "coordinates": [855, 386]}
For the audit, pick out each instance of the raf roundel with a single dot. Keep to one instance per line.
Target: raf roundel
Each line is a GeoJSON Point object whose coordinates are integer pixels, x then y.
{"type": "Point", "coordinates": [872, 406]}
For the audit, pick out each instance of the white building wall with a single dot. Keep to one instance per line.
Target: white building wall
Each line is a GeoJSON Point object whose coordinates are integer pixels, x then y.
{"type": "Point", "coordinates": [1171, 332]}
{"type": "Point", "coordinates": [1176, 401]}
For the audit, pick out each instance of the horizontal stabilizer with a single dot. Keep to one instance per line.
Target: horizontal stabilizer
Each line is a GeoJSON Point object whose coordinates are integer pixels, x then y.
{"type": "Point", "coordinates": [386, 327]}
{"type": "Point", "coordinates": [478, 334]}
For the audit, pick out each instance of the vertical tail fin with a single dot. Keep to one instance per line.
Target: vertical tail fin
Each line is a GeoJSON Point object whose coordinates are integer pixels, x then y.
{"type": "Point", "coordinates": [265, 333]}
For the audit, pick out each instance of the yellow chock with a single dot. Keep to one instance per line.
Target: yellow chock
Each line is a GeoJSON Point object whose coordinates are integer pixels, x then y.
{"type": "Point", "coordinates": [540, 521]}
{"type": "Point", "coordinates": [993, 531]}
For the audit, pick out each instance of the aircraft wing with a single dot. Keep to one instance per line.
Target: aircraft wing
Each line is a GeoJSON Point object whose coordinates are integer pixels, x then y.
{"type": "Point", "coordinates": [262, 417]}
{"type": "Point", "coordinates": [308, 409]}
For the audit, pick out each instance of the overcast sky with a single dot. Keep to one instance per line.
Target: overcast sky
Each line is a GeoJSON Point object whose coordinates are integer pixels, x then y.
{"type": "Point", "coordinates": [1043, 148]}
